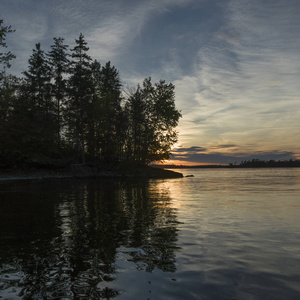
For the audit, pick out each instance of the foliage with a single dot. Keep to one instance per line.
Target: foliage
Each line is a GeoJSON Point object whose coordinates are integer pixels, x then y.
{"type": "Point", "coordinates": [38, 105]}
{"type": "Point", "coordinates": [5, 58]}
{"type": "Point", "coordinates": [79, 96]}
{"type": "Point", "coordinates": [7, 96]}
{"type": "Point", "coordinates": [152, 118]}
{"type": "Point", "coordinates": [68, 106]}
{"type": "Point", "coordinates": [59, 64]}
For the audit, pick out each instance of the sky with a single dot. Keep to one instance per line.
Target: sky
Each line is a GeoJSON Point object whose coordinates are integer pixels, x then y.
{"type": "Point", "coordinates": [235, 64]}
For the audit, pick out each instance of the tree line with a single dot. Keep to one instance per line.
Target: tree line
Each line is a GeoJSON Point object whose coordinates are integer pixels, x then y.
{"type": "Point", "coordinates": [69, 107]}
{"type": "Point", "coordinates": [257, 163]}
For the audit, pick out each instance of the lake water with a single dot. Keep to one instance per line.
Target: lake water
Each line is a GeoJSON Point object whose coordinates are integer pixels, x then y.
{"type": "Point", "coordinates": [223, 234]}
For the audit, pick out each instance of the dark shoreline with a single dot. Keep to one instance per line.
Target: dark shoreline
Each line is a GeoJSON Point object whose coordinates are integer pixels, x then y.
{"type": "Point", "coordinates": [81, 171]}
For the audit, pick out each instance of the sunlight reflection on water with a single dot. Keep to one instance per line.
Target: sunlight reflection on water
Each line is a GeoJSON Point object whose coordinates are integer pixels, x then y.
{"type": "Point", "coordinates": [223, 234]}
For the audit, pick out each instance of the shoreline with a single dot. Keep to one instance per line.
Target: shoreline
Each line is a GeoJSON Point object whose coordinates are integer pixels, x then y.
{"type": "Point", "coordinates": [81, 171]}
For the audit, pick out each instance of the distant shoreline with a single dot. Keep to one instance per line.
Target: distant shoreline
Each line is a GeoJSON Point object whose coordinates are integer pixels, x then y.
{"type": "Point", "coordinates": [254, 163]}
{"type": "Point", "coordinates": [222, 167]}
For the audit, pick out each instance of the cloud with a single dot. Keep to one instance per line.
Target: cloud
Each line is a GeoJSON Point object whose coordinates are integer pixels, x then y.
{"type": "Point", "coordinates": [234, 63]}
{"type": "Point", "coordinates": [245, 80]}
{"type": "Point", "coordinates": [229, 38]}
{"type": "Point", "coordinates": [199, 155]}
{"type": "Point", "coordinates": [193, 150]}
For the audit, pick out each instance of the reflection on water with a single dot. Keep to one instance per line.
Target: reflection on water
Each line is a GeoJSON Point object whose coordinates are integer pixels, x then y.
{"type": "Point", "coordinates": [241, 233]}
{"type": "Point", "coordinates": [223, 234]}
{"type": "Point", "coordinates": [69, 239]}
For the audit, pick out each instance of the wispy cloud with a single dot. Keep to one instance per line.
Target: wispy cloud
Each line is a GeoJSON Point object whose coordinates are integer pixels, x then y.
{"type": "Point", "coordinates": [235, 63]}
{"type": "Point", "coordinates": [248, 68]}
{"type": "Point", "coordinates": [193, 155]}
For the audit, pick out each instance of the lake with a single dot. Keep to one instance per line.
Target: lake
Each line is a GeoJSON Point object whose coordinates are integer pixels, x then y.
{"type": "Point", "coordinates": [222, 234]}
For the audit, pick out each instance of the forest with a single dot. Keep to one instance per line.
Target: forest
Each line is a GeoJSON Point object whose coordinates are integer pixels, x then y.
{"type": "Point", "coordinates": [257, 163]}
{"type": "Point", "coordinates": [69, 108]}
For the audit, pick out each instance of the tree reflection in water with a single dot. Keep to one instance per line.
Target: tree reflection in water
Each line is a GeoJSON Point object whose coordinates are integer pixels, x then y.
{"type": "Point", "coordinates": [71, 239]}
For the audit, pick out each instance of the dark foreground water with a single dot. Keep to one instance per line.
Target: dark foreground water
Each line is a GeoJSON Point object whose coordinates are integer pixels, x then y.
{"type": "Point", "coordinates": [223, 234]}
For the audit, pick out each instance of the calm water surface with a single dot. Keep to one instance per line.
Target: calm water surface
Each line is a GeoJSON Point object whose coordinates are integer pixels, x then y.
{"type": "Point", "coordinates": [223, 234]}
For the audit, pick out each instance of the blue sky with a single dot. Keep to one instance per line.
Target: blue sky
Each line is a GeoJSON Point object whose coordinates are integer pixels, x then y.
{"type": "Point", "coordinates": [235, 63]}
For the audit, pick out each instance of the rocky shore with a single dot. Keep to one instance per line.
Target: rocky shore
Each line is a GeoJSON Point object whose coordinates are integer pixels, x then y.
{"type": "Point", "coordinates": [83, 171]}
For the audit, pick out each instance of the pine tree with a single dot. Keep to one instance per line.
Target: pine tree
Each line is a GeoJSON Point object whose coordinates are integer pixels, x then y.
{"type": "Point", "coordinates": [135, 110]}
{"type": "Point", "coordinates": [59, 63]}
{"type": "Point", "coordinates": [8, 97]}
{"type": "Point", "coordinates": [37, 100]}
{"type": "Point", "coordinates": [93, 135]}
{"type": "Point", "coordinates": [111, 115]}
{"type": "Point", "coordinates": [7, 94]}
{"type": "Point", "coordinates": [80, 93]}
{"type": "Point", "coordinates": [37, 81]}
{"type": "Point", "coordinates": [105, 116]}
{"type": "Point", "coordinates": [5, 58]}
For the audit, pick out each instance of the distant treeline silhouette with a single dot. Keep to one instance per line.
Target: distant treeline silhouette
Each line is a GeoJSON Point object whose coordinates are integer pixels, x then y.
{"type": "Point", "coordinates": [256, 163]}
{"type": "Point", "coordinates": [68, 107]}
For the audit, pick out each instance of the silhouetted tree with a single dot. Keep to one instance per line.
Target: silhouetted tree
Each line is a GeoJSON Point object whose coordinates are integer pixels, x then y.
{"type": "Point", "coordinates": [5, 58]}
{"type": "Point", "coordinates": [80, 94]}
{"type": "Point", "coordinates": [136, 110]}
{"type": "Point", "coordinates": [104, 139]}
{"type": "Point", "coordinates": [110, 94]}
{"type": "Point", "coordinates": [257, 163]}
{"type": "Point", "coordinates": [8, 98]}
{"type": "Point", "coordinates": [93, 135]}
{"type": "Point", "coordinates": [152, 118]}
{"type": "Point", "coordinates": [7, 92]}
{"type": "Point", "coordinates": [79, 103]}
{"type": "Point", "coordinates": [37, 80]}
{"type": "Point", "coordinates": [59, 63]}
{"type": "Point", "coordinates": [35, 94]}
